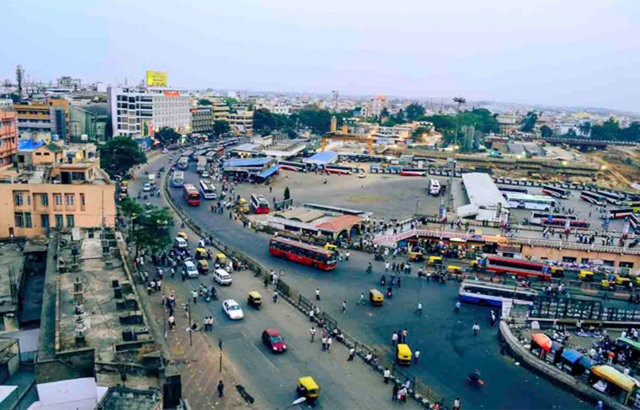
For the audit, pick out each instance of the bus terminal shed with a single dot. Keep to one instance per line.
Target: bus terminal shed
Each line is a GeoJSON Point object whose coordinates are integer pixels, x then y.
{"type": "Point", "coordinates": [486, 202]}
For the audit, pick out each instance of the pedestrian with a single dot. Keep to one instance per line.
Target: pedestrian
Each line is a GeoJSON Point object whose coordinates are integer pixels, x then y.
{"type": "Point", "coordinates": [194, 295]}
{"type": "Point", "coordinates": [416, 356]}
{"type": "Point", "coordinates": [344, 306]}
{"type": "Point", "coordinates": [457, 308]}
{"type": "Point", "coordinates": [324, 341]}
{"type": "Point", "coordinates": [386, 267]}
{"type": "Point", "coordinates": [220, 389]}
{"type": "Point", "coordinates": [419, 309]}
{"type": "Point", "coordinates": [394, 339]}
{"type": "Point", "coordinates": [347, 255]}
{"type": "Point", "coordinates": [387, 375]}
{"type": "Point", "coordinates": [312, 333]}
{"type": "Point", "coordinates": [352, 354]}
{"type": "Point", "coordinates": [394, 392]}
{"type": "Point", "coordinates": [275, 297]}
{"type": "Point", "coordinates": [361, 300]}
{"type": "Point", "coordinates": [311, 314]}
{"type": "Point", "coordinates": [456, 404]}
{"type": "Point", "coordinates": [493, 318]}
{"type": "Point", "coordinates": [172, 322]}
{"type": "Point", "coordinates": [173, 272]}
{"type": "Point", "coordinates": [475, 328]}
{"type": "Point", "coordinates": [329, 343]}
{"type": "Point", "coordinates": [317, 294]}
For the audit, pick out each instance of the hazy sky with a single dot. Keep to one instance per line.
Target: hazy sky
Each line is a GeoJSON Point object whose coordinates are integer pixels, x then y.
{"type": "Point", "coordinates": [565, 52]}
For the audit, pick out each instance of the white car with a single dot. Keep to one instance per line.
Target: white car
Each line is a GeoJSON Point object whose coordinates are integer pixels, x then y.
{"type": "Point", "coordinates": [222, 277]}
{"type": "Point", "coordinates": [232, 309]}
{"type": "Point", "coordinates": [205, 174]}
{"type": "Point", "coordinates": [191, 269]}
{"type": "Point", "coordinates": [146, 187]}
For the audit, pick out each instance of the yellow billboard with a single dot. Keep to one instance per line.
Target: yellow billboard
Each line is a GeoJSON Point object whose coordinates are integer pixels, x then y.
{"type": "Point", "coordinates": [156, 78]}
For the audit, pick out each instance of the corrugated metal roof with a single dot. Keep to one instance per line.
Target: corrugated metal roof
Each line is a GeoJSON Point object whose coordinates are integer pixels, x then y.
{"type": "Point", "coordinates": [247, 162]}
{"type": "Point", "coordinates": [482, 191]}
{"type": "Point", "coordinates": [269, 171]}
{"type": "Point", "coordinates": [321, 157]}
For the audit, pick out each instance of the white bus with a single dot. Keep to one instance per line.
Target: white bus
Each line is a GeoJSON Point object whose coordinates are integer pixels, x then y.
{"type": "Point", "coordinates": [434, 187]}
{"type": "Point", "coordinates": [183, 162]}
{"type": "Point", "coordinates": [178, 179]}
{"type": "Point", "coordinates": [532, 202]}
{"type": "Point", "coordinates": [493, 294]}
{"type": "Point", "coordinates": [208, 190]}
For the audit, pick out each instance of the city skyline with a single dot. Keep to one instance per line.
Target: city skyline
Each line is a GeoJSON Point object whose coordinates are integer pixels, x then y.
{"type": "Point", "coordinates": [549, 53]}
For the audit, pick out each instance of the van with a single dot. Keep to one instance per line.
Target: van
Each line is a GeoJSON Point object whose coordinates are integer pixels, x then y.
{"type": "Point", "coordinates": [180, 243]}
{"type": "Point", "coordinates": [222, 277]}
{"type": "Point", "coordinates": [191, 269]}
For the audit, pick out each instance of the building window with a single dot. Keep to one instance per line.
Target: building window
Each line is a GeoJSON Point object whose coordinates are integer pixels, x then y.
{"type": "Point", "coordinates": [19, 219]}
{"type": "Point", "coordinates": [70, 221]}
{"type": "Point", "coordinates": [626, 265]}
{"type": "Point", "coordinates": [44, 200]}
{"type": "Point", "coordinates": [82, 200]}
{"type": "Point", "coordinates": [23, 219]}
{"type": "Point", "coordinates": [59, 220]}
{"type": "Point", "coordinates": [57, 199]}
{"type": "Point", "coordinates": [68, 199]}
{"type": "Point", "coordinates": [18, 199]}
{"type": "Point", "coordinates": [27, 220]}
{"type": "Point", "coordinates": [44, 220]}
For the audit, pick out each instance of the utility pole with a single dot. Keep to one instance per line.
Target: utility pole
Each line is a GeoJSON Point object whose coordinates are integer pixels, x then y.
{"type": "Point", "coordinates": [220, 354]}
{"type": "Point", "coordinates": [190, 328]}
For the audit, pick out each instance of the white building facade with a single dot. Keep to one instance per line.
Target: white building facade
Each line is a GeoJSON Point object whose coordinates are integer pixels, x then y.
{"type": "Point", "coordinates": [141, 112]}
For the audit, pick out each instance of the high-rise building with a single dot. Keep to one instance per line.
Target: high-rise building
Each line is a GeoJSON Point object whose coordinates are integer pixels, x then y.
{"type": "Point", "coordinates": [202, 119]}
{"type": "Point", "coordinates": [8, 136]}
{"type": "Point", "coordinates": [139, 112]}
{"type": "Point", "coordinates": [43, 119]}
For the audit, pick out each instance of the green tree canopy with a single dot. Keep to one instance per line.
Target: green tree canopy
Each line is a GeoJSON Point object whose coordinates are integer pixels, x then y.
{"type": "Point", "coordinates": [119, 155]}
{"type": "Point", "coordinates": [221, 127]}
{"type": "Point", "coordinates": [167, 135]}
{"type": "Point", "coordinates": [546, 131]}
{"type": "Point", "coordinates": [414, 111]}
{"type": "Point", "coordinates": [204, 101]}
{"type": "Point", "coordinates": [529, 122]}
{"type": "Point", "coordinates": [151, 229]}
{"type": "Point", "coordinates": [318, 121]}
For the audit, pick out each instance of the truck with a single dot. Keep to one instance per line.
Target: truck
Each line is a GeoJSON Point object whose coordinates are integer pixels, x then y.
{"type": "Point", "coordinates": [201, 165]}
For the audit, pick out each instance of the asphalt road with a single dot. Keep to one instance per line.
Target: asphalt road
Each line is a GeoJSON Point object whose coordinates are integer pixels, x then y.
{"type": "Point", "coordinates": [270, 377]}
{"type": "Point", "coordinates": [449, 350]}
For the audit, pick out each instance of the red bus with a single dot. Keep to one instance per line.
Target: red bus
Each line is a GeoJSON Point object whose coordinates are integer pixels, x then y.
{"type": "Point", "coordinates": [302, 253]}
{"type": "Point", "coordinates": [519, 267]}
{"type": "Point", "coordinates": [259, 204]}
{"type": "Point", "coordinates": [191, 195]}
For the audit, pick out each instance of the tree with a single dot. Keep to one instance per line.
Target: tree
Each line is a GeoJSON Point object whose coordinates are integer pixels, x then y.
{"type": "Point", "coordinates": [384, 113]}
{"type": "Point", "coordinates": [204, 101]}
{"type": "Point", "coordinates": [585, 128]}
{"type": "Point", "coordinates": [546, 131]}
{"type": "Point", "coordinates": [414, 111]}
{"type": "Point", "coordinates": [529, 122]}
{"type": "Point", "coordinates": [130, 207]}
{"type": "Point", "coordinates": [119, 155]}
{"type": "Point", "coordinates": [221, 127]}
{"type": "Point", "coordinates": [167, 136]}
{"type": "Point", "coordinates": [265, 122]}
{"type": "Point", "coordinates": [318, 121]}
{"type": "Point", "coordinates": [151, 229]}
{"type": "Point", "coordinates": [287, 193]}
{"type": "Point", "coordinates": [420, 131]}
{"type": "Point", "coordinates": [108, 129]}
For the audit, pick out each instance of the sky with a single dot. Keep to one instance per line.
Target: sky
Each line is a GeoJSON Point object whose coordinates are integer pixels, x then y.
{"type": "Point", "coordinates": [552, 52]}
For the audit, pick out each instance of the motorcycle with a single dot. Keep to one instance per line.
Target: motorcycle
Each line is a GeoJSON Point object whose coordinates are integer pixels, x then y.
{"type": "Point", "coordinates": [378, 257]}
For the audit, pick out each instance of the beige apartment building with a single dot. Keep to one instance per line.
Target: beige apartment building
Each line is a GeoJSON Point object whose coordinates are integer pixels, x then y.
{"type": "Point", "coordinates": [55, 194]}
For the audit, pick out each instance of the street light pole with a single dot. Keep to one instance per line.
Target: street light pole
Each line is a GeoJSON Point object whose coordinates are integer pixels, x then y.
{"type": "Point", "coordinates": [220, 353]}
{"type": "Point", "coordinates": [190, 328]}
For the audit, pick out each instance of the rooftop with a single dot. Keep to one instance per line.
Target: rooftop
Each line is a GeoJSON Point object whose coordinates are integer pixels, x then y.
{"type": "Point", "coordinates": [321, 157]}
{"type": "Point", "coordinates": [482, 191]}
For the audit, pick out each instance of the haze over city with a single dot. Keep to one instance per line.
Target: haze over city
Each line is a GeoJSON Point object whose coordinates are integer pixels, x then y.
{"type": "Point", "coordinates": [574, 53]}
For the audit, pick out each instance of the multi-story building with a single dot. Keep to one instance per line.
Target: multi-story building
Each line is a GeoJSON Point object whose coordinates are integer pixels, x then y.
{"type": "Point", "coordinates": [43, 119]}
{"type": "Point", "coordinates": [90, 119]}
{"type": "Point", "coordinates": [59, 189]}
{"type": "Point", "coordinates": [138, 112]}
{"type": "Point", "coordinates": [202, 119]}
{"type": "Point", "coordinates": [241, 121]}
{"type": "Point", "coordinates": [220, 111]}
{"type": "Point", "coordinates": [375, 106]}
{"type": "Point", "coordinates": [8, 136]}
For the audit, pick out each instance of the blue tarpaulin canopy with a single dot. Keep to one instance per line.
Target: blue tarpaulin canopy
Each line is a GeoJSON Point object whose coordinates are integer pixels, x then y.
{"type": "Point", "coordinates": [29, 145]}
{"type": "Point", "coordinates": [571, 355]}
{"type": "Point", "coordinates": [269, 171]}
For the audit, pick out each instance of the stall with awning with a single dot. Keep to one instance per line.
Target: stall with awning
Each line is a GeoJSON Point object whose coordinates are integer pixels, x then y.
{"type": "Point", "coordinates": [540, 344]}
{"type": "Point", "coordinates": [570, 361]}
{"type": "Point", "coordinates": [610, 381]}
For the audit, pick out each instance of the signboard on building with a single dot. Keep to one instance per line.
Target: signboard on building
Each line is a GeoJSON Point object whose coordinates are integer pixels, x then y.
{"type": "Point", "coordinates": [172, 93]}
{"type": "Point", "coordinates": [156, 78]}
{"type": "Point", "coordinates": [147, 128]}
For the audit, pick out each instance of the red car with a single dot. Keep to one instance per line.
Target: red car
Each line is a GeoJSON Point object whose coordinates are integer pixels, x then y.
{"type": "Point", "coordinates": [272, 338]}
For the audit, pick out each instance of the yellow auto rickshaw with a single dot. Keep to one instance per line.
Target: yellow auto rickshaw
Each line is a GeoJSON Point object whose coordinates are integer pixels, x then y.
{"type": "Point", "coordinates": [307, 387]}
{"type": "Point", "coordinates": [475, 265]}
{"type": "Point", "coordinates": [201, 253]}
{"type": "Point", "coordinates": [622, 280]}
{"type": "Point", "coordinates": [242, 206]}
{"type": "Point", "coordinates": [415, 256]}
{"type": "Point", "coordinates": [254, 299]}
{"type": "Point", "coordinates": [203, 266]}
{"type": "Point", "coordinates": [586, 275]}
{"type": "Point", "coordinates": [454, 270]}
{"type": "Point", "coordinates": [605, 284]}
{"type": "Point", "coordinates": [434, 261]}
{"type": "Point", "coordinates": [376, 297]}
{"type": "Point", "coordinates": [183, 235]}
{"type": "Point", "coordinates": [330, 247]}
{"type": "Point", "coordinates": [403, 354]}
{"type": "Point", "coordinates": [221, 259]}
{"type": "Point", "coordinates": [557, 271]}
{"type": "Point", "coordinates": [636, 280]}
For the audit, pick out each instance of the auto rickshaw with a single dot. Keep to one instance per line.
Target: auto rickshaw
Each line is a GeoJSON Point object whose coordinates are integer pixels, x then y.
{"type": "Point", "coordinates": [254, 299]}
{"type": "Point", "coordinates": [556, 271]}
{"type": "Point", "coordinates": [242, 206]}
{"type": "Point", "coordinates": [403, 354]}
{"type": "Point", "coordinates": [330, 247]}
{"type": "Point", "coordinates": [586, 275]}
{"type": "Point", "coordinates": [203, 266]}
{"type": "Point", "coordinates": [415, 256]}
{"type": "Point", "coordinates": [376, 297]}
{"type": "Point", "coordinates": [606, 285]}
{"type": "Point", "coordinates": [454, 270]}
{"type": "Point", "coordinates": [434, 261]}
{"type": "Point", "coordinates": [307, 387]}
{"type": "Point", "coordinates": [221, 259]}
{"type": "Point", "coordinates": [183, 235]}
{"type": "Point", "coordinates": [201, 253]}
{"type": "Point", "coordinates": [622, 280]}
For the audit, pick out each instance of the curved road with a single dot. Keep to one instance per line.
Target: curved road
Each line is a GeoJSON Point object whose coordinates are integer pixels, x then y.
{"type": "Point", "coordinates": [449, 351]}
